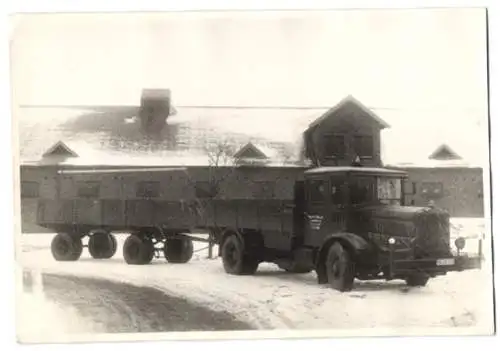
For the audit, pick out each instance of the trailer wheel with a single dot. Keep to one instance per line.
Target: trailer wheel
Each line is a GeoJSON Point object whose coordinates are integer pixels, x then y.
{"type": "Point", "coordinates": [137, 250]}
{"type": "Point", "coordinates": [417, 279]}
{"type": "Point", "coordinates": [65, 247]}
{"type": "Point", "coordinates": [178, 250]}
{"type": "Point", "coordinates": [339, 268]}
{"type": "Point", "coordinates": [102, 245]}
{"type": "Point", "coordinates": [235, 260]}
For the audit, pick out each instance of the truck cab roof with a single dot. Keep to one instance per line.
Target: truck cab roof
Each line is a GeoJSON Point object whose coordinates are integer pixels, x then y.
{"type": "Point", "coordinates": [375, 171]}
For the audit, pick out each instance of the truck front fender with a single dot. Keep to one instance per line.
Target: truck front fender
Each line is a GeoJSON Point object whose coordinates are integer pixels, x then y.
{"type": "Point", "coordinates": [352, 242]}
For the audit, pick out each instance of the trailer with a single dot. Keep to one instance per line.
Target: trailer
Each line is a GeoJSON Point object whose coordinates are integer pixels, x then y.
{"type": "Point", "coordinates": [344, 223]}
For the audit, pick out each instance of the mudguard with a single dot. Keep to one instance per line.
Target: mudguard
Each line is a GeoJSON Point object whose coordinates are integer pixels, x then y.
{"type": "Point", "coordinates": [352, 242]}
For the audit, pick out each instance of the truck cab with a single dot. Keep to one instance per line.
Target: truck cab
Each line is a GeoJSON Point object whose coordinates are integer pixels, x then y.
{"type": "Point", "coordinates": [337, 196]}
{"type": "Point", "coordinates": [356, 225]}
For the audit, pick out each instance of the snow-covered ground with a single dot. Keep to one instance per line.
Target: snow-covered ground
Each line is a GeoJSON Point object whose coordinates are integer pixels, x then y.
{"type": "Point", "coordinates": [41, 319]}
{"type": "Point", "coordinates": [274, 300]}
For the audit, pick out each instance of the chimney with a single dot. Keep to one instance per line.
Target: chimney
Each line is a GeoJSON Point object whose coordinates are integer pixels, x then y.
{"type": "Point", "coordinates": [155, 109]}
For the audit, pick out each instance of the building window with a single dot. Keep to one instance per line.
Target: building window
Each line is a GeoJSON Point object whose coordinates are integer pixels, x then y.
{"type": "Point", "coordinates": [29, 189]}
{"type": "Point", "coordinates": [363, 146]}
{"type": "Point", "coordinates": [148, 189]}
{"type": "Point", "coordinates": [316, 191]}
{"type": "Point", "coordinates": [88, 189]}
{"type": "Point", "coordinates": [334, 146]}
{"type": "Point", "coordinates": [432, 189]}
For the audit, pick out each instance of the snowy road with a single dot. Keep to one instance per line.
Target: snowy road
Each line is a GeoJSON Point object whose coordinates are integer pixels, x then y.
{"type": "Point", "coordinates": [274, 300]}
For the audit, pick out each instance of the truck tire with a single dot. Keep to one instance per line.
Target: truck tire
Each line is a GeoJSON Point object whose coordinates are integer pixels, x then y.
{"type": "Point", "coordinates": [235, 260]}
{"type": "Point", "coordinates": [137, 250]}
{"type": "Point", "coordinates": [339, 268]}
{"type": "Point", "coordinates": [102, 245]}
{"type": "Point", "coordinates": [65, 247]}
{"type": "Point", "coordinates": [178, 250]}
{"type": "Point", "coordinates": [417, 279]}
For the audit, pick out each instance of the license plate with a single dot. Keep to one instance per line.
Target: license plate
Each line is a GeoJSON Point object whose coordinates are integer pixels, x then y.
{"type": "Point", "coordinates": [445, 262]}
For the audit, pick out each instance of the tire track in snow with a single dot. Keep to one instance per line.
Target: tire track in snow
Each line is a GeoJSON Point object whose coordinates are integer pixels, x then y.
{"type": "Point", "coordinates": [117, 307]}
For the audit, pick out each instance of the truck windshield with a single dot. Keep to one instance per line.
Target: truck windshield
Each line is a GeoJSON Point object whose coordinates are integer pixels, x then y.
{"type": "Point", "coordinates": [389, 190]}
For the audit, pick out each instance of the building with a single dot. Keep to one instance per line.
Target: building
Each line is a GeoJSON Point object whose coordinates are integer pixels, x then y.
{"type": "Point", "coordinates": [285, 137]}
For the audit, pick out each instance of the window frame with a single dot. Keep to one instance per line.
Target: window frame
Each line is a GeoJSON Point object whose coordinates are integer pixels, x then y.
{"type": "Point", "coordinates": [327, 141]}
{"type": "Point", "coordinates": [358, 146]}
{"type": "Point", "coordinates": [83, 186]}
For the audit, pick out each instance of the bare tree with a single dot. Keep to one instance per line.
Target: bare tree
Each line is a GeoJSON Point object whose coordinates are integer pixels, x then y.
{"type": "Point", "coordinates": [221, 165]}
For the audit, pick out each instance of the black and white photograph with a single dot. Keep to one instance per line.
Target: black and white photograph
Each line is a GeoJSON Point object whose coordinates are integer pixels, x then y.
{"type": "Point", "coordinates": [226, 174]}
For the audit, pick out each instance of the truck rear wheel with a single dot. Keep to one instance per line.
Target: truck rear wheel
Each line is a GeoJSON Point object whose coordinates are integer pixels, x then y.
{"type": "Point", "coordinates": [65, 247]}
{"type": "Point", "coordinates": [178, 250]}
{"type": "Point", "coordinates": [137, 250]}
{"type": "Point", "coordinates": [234, 258]}
{"type": "Point", "coordinates": [339, 268]}
{"type": "Point", "coordinates": [102, 245]}
{"type": "Point", "coordinates": [417, 279]}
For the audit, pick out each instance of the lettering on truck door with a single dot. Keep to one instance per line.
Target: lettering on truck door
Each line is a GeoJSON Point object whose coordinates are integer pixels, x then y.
{"type": "Point", "coordinates": [315, 210]}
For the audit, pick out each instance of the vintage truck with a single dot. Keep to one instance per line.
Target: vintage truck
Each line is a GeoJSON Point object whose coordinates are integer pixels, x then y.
{"type": "Point", "coordinates": [344, 223]}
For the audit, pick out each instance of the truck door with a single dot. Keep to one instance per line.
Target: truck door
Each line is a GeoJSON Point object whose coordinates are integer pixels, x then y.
{"type": "Point", "coordinates": [326, 208]}
{"type": "Point", "coordinates": [337, 205]}
{"type": "Point", "coordinates": [315, 210]}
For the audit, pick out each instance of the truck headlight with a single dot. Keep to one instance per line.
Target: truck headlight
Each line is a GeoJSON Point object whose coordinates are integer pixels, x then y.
{"type": "Point", "coordinates": [391, 241]}
{"type": "Point", "coordinates": [460, 243]}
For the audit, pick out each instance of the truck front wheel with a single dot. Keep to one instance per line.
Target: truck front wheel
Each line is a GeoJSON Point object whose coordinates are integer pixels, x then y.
{"type": "Point", "coordinates": [235, 260]}
{"type": "Point", "coordinates": [102, 245]}
{"type": "Point", "coordinates": [137, 250]}
{"type": "Point", "coordinates": [339, 268]}
{"type": "Point", "coordinates": [65, 247]}
{"type": "Point", "coordinates": [178, 250]}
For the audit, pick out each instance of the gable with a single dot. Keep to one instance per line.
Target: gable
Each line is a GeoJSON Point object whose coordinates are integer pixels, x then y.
{"type": "Point", "coordinates": [250, 151]}
{"type": "Point", "coordinates": [444, 152]}
{"type": "Point", "coordinates": [346, 107]}
{"type": "Point", "coordinates": [60, 149]}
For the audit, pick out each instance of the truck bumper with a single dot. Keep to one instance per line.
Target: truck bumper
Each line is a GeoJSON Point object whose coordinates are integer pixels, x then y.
{"type": "Point", "coordinates": [436, 266]}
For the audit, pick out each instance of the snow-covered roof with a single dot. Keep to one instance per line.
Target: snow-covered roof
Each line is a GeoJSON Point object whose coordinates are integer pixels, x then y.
{"type": "Point", "coordinates": [276, 132]}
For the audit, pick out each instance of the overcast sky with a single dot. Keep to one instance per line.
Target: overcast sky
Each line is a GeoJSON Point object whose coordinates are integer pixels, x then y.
{"type": "Point", "coordinates": [392, 58]}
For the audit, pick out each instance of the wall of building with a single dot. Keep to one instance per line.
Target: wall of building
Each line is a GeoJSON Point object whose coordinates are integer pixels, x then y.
{"type": "Point", "coordinates": [459, 190]}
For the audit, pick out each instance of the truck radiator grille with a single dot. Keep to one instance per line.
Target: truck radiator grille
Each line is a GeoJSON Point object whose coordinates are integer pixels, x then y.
{"type": "Point", "coordinates": [432, 233]}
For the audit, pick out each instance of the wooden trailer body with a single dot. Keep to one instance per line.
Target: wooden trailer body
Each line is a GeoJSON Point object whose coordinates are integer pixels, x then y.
{"type": "Point", "coordinates": [176, 200]}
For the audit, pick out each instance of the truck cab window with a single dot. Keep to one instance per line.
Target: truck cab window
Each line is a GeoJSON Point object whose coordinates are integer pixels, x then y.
{"type": "Point", "coordinates": [389, 191]}
{"type": "Point", "coordinates": [316, 190]}
{"type": "Point", "coordinates": [336, 191]}
{"type": "Point", "coordinates": [361, 191]}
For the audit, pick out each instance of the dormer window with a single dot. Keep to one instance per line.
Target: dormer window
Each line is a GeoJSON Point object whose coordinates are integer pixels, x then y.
{"type": "Point", "coordinates": [335, 146]}
{"type": "Point", "coordinates": [363, 146]}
